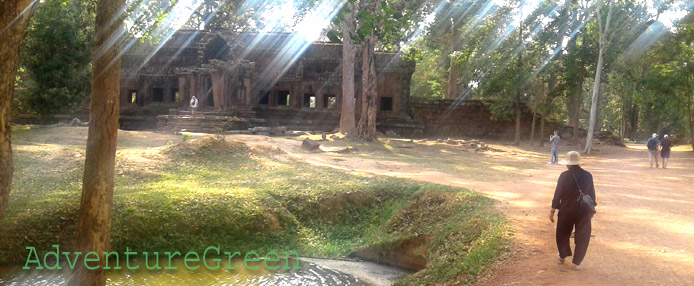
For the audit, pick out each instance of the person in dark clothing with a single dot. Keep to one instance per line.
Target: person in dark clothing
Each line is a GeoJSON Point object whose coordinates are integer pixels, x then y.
{"type": "Point", "coordinates": [665, 150]}
{"type": "Point", "coordinates": [571, 215]}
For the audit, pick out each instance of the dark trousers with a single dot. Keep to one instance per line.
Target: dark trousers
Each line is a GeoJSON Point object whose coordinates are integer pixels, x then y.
{"type": "Point", "coordinates": [565, 224]}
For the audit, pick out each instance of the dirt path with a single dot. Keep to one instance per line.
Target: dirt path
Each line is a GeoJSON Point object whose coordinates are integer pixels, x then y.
{"type": "Point", "coordinates": [643, 232]}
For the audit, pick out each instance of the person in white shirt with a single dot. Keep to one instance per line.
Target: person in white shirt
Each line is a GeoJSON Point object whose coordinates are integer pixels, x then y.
{"type": "Point", "coordinates": [193, 104]}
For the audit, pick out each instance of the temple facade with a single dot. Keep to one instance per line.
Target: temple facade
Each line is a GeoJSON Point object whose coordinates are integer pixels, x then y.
{"type": "Point", "coordinates": [229, 71]}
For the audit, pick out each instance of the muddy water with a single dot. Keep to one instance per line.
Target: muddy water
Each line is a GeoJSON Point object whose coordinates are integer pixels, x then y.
{"type": "Point", "coordinates": [309, 274]}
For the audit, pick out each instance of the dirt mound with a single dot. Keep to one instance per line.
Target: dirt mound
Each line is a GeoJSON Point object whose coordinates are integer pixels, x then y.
{"type": "Point", "coordinates": [204, 145]}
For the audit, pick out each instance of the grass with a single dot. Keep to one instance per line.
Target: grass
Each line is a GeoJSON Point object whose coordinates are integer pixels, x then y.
{"type": "Point", "coordinates": [209, 193]}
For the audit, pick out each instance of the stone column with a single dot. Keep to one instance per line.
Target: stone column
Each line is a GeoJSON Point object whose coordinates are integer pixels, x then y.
{"type": "Point", "coordinates": [145, 95]}
{"type": "Point", "coordinates": [123, 95]}
{"type": "Point", "coordinates": [218, 89]}
{"type": "Point", "coordinates": [297, 95]}
{"type": "Point", "coordinates": [196, 88]}
{"type": "Point", "coordinates": [319, 97]}
{"type": "Point", "coordinates": [251, 99]}
{"type": "Point", "coordinates": [183, 90]}
{"type": "Point", "coordinates": [232, 93]}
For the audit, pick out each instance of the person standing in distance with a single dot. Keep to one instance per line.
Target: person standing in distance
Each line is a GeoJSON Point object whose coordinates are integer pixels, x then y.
{"type": "Point", "coordinates": [652, 145]}
{"type": "Point", "coordinates": [554, 141]}
{"type": "Point", "coordinates": [571, 214]}
{"type": "Point", "coordinates": [665, 150]}
{"type": "Point", "coordinates": [193, 105]}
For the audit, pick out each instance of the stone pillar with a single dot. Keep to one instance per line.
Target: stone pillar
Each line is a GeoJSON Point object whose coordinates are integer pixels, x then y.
{"type": "Point", "coordinates": [145, 95]}
{"type": "Point", "coordinates": [218, 89]}
{"type": "Point", "coordinates": [297, 95]}
{"type": "Point", "coordinates": [183, 90]}
{"type": "Point", "coordinates": [232, 92]}
{"type": "Point", "coordinates": [251, 99]}
{"type": "Point", "coordinates": [196, 88]}
{"type": "Point", "coordinates": [320, 94]}
{"type": "Point", "coordinates": [124, 95]}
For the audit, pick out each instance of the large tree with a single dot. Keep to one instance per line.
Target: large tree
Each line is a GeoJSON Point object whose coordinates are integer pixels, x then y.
{"type": "Point", "coordinates": [94, 217]}
{"type": "Point", "coordinates": [348, 25]}
{"type": "Point", "coordinates": [57, 82]}
{"type": "Point", "coordinates": [14, 17]}
{"type": "Point", "coordinates": [367, 122]}
{"type": "Point", "coordinates": [603, 30]}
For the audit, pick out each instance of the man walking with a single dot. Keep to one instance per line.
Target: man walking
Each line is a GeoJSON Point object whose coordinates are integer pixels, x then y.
{"type": "Point", "coordinates": [554, 141]}
{"type": "Point", "coordinates": [665, 150]}
{"type": "Point", "coordinates": [652, 145]}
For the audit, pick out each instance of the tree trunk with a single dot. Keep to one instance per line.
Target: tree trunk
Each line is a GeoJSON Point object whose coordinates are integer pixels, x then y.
{"type": "Point", "coordinates": [519, 64]}
{"type": "Point", "coordinates": [575, 112]}
{"type": "Point", "coordinates": [456, 39]}
{"type": "Point", "coordinates": [690, 113]}
{"type": "Point", "coordinates": [367, 121]}
{"type": "Point", "coordinates": [532, 129]}
{"type": "Point", "coordinates": [453, 79]}
{"type": "Point", "coordinates": [14, 17]}
{"type": "Point", "coordinates": [516, 140]}
{"type": "Point", "coordinates": [347, 117]}
{"type": "Point", "coordinates": [596, 85]}
{"type": "Point", "coordinates": [542, 130]}
{"type": "Point", "coordinates": [94, 217]}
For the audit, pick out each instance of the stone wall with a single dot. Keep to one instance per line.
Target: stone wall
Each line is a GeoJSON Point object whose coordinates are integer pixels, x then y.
{"type": "Point", "coordinates": [470, 118]}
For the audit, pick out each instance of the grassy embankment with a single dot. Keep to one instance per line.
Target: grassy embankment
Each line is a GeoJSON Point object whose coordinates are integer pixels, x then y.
{"type": "Point", "coordinates": [192, 195]}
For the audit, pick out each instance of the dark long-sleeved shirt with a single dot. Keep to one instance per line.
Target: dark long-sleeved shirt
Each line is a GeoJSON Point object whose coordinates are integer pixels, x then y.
{"type": "Point", "coordinates": [566, 194]}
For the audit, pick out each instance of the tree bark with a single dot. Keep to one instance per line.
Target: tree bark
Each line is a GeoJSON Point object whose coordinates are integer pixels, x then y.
{"type": "Point", "coordinates": [456, 39]}
{"type": "Point", "coordinates": [532, 129]}
{"type": "Point", "coordinates": [14, 17]}
{"type": "Point", "coordinates": [347, 116]}
{"type": "Point", "coordinates": [596, 85]}
{"type": "Point", "coordinates": [453, 78]}
{"type": "Point", "coordinates": [577, 102]}
{"type": "Point", "coordinates": [690, 113]}
{"type": "Point", "coordinates": [94, 217]}
{"type": "Point", "coordinates": [516, 140]}
{"type": "Point", "coordinates": [542, 130]}
{"type": "Point", "coordinates": [367, 121]}
{"type": "Point", "coordinates": [519, 64]}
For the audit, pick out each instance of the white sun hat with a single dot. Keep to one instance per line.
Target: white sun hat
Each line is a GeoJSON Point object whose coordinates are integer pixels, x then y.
{"type": "Point", "coordinates": [572, 158]}
{"type": "Point", "coordinates": [665, 136]}
{"type": "Point", "coordinates": [655, 135]}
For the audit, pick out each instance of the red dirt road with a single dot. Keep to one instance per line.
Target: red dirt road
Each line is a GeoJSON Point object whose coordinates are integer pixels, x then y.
{"type": "Point", "coordinates": [643, 232]}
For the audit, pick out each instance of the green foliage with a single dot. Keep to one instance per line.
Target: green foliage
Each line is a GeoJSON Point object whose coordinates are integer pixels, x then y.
{"type": "Point", "coordinates": [428, 78]}
{"type": "Point", "coordinates": [56, 57]}
{"type": "Point", "coordinates": [667, 103]}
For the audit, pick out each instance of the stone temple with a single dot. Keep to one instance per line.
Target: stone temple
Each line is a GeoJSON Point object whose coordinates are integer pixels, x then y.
{"type": "Point", "coordinates": [245, 80]}
{"type": "Point", "coordinates": [269, 79]}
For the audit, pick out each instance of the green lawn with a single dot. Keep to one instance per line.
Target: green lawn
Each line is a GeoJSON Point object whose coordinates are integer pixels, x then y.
{"type": "Point", "coordinates": [205, 192]}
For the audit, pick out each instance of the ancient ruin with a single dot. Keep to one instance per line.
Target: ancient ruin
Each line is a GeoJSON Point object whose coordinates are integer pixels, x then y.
{"type": "Point", "coordinates": [266, 79]}
{"type": "Point", "coordinates": [246, 80]}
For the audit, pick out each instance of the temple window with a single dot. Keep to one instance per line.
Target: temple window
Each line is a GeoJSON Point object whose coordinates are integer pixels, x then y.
{"type": "Point", "coordinates": [309, 100]}
{"type": "Point", "coordinates": [330, 101]}
{"type": "Point", "coordinates": [283, 97]}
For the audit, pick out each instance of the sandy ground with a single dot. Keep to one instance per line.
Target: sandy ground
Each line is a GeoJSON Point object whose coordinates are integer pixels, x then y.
{"type": "Point", "coordinates": [643, 232]}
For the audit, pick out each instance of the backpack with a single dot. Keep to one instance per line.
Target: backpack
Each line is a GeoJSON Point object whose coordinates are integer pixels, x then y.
{"type": "Point", "coordinates": [652, 144]}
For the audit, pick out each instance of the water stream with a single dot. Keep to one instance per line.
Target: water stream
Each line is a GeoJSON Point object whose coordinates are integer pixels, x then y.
{"type": "Point", "coordinates": [309, 274]}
